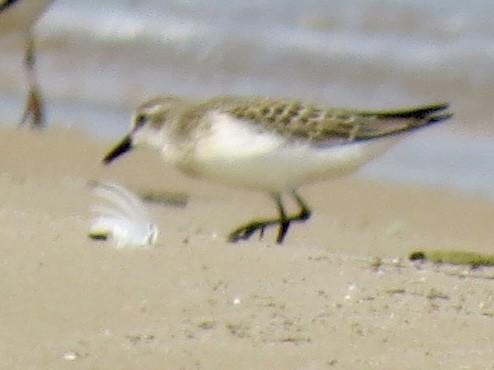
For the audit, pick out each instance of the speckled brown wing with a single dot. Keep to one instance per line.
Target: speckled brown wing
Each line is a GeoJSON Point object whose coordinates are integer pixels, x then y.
{"type": "Point", "coordinates": [329, 126]}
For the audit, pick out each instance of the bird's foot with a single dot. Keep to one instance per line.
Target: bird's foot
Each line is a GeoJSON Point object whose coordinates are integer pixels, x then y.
{"type": "Point", "coordinates": [245, 231]}
{"type": "Point", "coordinates": [34, 110]}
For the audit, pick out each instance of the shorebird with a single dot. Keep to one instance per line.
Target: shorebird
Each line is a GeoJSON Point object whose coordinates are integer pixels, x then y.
{"type": "Point", "coordinates": [268, 144]}
{"type": "Point", "coordinates": [19, 16]}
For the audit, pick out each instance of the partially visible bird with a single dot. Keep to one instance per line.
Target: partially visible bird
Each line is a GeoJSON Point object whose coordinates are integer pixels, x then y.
{"type": "Point", "coordinates": [19, 16]}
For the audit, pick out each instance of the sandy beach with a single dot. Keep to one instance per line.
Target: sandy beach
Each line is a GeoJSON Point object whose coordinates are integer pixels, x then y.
{"type": "Point", "coordinates": [339, 294]}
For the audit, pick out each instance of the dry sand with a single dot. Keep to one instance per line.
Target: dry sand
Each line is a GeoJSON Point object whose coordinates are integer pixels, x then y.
{"type": "Point", "coordinates": [321, 301]}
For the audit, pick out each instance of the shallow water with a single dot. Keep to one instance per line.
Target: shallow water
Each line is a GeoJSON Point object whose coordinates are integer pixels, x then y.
{"type": "Point", "coordinates": [98, 60]}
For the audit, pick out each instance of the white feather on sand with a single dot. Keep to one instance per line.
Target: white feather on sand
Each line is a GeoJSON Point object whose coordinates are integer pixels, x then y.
{"type": "Point", "coordinates": [119, 215]}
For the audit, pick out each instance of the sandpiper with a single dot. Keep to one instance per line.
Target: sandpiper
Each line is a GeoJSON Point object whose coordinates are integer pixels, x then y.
{"type": "Point", "coordinates": [268, 144]}
{"type": "Point", "coordinates": [19, 16]}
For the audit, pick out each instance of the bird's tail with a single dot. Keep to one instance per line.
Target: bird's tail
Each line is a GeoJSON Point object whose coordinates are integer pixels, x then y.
{"type": "Point", "coordinates": [426, 114]}
{"type": "Point", "coordinates": [388, 123]}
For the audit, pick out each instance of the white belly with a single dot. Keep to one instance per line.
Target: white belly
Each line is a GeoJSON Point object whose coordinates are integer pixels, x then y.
{"type": "Point", "coordinates": [238, 156]}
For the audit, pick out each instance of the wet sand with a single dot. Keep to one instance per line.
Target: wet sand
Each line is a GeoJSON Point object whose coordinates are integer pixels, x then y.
{"type": "Point", "coordinates": [340, 293]}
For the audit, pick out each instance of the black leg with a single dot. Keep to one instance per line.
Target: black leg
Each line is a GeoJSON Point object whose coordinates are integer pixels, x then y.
{"type": "Point", "coordinates": [284, 221]}
{"type": "Point", "coordinates": [244, 232]}
{"type": "Point", "coordinates": [304, 213]}
{"type": "Point", "coordinates": [33, 110]}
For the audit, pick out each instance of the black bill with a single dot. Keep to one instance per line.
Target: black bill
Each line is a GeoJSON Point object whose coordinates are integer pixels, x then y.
{"type": "Point", "coordinates": [123, 146]}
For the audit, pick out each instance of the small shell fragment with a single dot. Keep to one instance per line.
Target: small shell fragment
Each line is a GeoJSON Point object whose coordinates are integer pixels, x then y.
{"type": "Point", "coordinates": [70, 356]}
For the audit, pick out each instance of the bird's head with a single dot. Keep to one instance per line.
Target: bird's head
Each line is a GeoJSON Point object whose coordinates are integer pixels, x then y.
{"type": "Point", "coordinates": [150, 126]}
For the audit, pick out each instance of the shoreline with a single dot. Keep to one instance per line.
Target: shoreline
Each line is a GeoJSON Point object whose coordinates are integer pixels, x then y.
{"type": "Point", "coordinates": [194, 300]}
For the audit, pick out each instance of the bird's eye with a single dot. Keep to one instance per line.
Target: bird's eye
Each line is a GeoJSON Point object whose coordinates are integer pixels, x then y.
{"type": "Point", "coordinates": [140, 120]}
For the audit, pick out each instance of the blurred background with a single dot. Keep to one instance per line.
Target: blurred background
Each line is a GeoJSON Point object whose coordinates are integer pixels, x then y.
{"type": "Point", "coordinates": [98, 60]}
